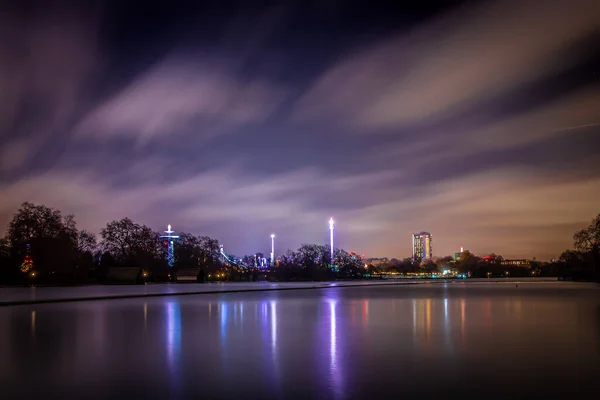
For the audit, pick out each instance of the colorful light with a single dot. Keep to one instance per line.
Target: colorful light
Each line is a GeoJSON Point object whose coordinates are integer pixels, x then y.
{"type": "Point", "coordinates": [170, 245]}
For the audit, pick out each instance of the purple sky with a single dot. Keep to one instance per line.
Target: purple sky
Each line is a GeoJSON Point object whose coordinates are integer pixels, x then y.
{"type": "Point", "coordinates": [478, 122]}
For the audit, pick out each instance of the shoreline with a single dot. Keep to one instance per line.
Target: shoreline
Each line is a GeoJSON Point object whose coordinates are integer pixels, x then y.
{"type": "Point", "coordinates": [63, 294]}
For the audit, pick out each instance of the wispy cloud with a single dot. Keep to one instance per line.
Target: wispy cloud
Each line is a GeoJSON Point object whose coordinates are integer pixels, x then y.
{"type": "Point", "coordinates": [474, 211]}
{"type": "Point", "coordinates": [427, 118]}
{"type": "Point", "coordinates": [46, 60]}
{"type": "Point", "coordinates": [178, 96]}
{"type": "Point", "coordinates": [509, 211]}
{"type": "Point", "coordinates": [452, 63]}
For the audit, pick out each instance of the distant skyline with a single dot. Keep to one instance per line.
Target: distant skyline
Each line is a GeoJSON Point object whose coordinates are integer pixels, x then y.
{"type": "Point", "coordinates": [476, 121]}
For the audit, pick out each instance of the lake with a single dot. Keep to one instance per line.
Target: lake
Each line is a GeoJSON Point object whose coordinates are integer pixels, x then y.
{"type": "Point", "coordinates": [492, 340]}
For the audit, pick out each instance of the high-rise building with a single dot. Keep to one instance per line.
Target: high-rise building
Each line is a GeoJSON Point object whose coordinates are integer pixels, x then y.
{"type": "Point", "coordinates": [421, 243]}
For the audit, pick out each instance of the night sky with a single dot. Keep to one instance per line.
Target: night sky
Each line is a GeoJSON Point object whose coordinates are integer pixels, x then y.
{"type": "Point", "coordinates": [478, 122]}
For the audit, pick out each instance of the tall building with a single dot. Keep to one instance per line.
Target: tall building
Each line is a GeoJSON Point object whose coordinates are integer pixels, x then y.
{"type": "Point", "coordinates": [422, 246]}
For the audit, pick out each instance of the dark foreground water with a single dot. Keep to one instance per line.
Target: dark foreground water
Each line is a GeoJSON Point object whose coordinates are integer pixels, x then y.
{"type": "Point", "coordinates": [460, 339]}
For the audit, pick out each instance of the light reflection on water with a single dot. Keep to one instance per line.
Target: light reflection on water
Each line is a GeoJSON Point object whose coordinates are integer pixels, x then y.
{"type": "Point", "coordinates": [334, 367]}
{"type": "Point", "coordinates": [322, 344]}
{"type": "Point", "coordinates": [273, 304]}
{"type": "Point", "coordinates": [173, 334]}
{"type": "Point", "coordinates": [33, 323]}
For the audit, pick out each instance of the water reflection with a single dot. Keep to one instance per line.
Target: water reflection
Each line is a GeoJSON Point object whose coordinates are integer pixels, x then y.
{"type": "Point", "coordinates": [334, 366]}
{"type": "Point", "coordinates": [462, 321]}
{"type": "Point", "coordinates": [428, 319]}
{"type": "Point", "coordinates": [274, 353]}
{"type": "Point", "coordinates": [323, 347]}
{"type": "Point", "coordinates": [222, 308]}
{"type": "Point", "coordinates": [447, 327]}
{"type": "Point", "coordinates": [145, 316]}
{"type": "Point", "coordinates": [446, 311]}
{"type": "Point", "coordinates": [332, 336]}
{"type": "Point", "coordinates": [422, 320]}
{"type": "Point", "coordinates": [487, 304]}
{"type": "Point", "coordinates": [414, 315]}
{"type": "Point", "coordinates": [274, 329]}
{"type": "Point", "coordinates": [173, 334]}
{"type": "Point", "coordinates": [33, 323]}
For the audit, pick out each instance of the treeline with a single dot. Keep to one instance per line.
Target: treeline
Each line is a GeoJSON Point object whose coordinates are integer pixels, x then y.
{"type": "Point", "coordinates": [43, 246]}
{"type": "Point", "coordinates": [467, 264]}
{"type": "Point", "coordinates": [582, 262]}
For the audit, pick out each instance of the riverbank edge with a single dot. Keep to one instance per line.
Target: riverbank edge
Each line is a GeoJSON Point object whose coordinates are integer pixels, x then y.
{"type": "Point", "coordinates": [313, 286]}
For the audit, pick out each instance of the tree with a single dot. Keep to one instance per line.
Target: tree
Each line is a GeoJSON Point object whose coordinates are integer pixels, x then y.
{"type": "Point", "coordinates": [188, 252]}
{"type": "Point", "coordinates": [31, 222]}
{"type": "Point", "coordinates": [249, 261]}
{"type": "Point", "coordinates": [349, 264]}
{"type": "Point", "coordinates": [86, 242]}
{"type": "Point", "coordinates": [47, 239]}
{"type": "Point", "coordinates": [446, 262]}
{"type": "Point", "coordinates": [7, 265]}
{"type": "Point", "coordinates": [586, 256]}
{"type": "Point", "coordinates": [429, 266]}
{"type": "Point", "coordinates": [87, 249]}
{"type": "Point", "coordinates": [588, 239]}
{"type": "Point", "coordinates": [131, 244]}
{"type": "Point", "coordinates": [467, 262]}
{"type": "Point", "coordinates": [4, 249]}
{"type": "Point", "coordinates": [210, 251]}
{"type": "Point", "coordinates": [407, 265]}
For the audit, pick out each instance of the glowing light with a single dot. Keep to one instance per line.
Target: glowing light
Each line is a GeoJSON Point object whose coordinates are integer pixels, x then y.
{"type": "Point", "coordinates": [273, 326]}
{"type": "Point", "coordinates": [33, 322]}
{"type": "Point", "coordinates": [173, 334]}
{"type": "Point", "coordinates": [272, 249]}
{"type": "Point", "coordinates": [223, 314]}
{"type": "Point", "coordinates": [333, 338]}
{"type": "Point", "coordinates": [334, 367]}
{"type": "Point", "coordinates": [170, 245]}
{"type": "Point", "coordinates": [446, 310]}
{"type": "Point", "coordinates": [331, 223]}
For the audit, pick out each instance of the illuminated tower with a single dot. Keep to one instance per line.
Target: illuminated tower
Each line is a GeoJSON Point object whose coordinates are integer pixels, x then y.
{"type": "Point", "coordinates": [422, 248]}
{"type": "Point", "coordinates": [272, 249]}
{"type": "Point", "coordinates": [331, 238]}
{"type": "Point", "coordinates": [170, 245]}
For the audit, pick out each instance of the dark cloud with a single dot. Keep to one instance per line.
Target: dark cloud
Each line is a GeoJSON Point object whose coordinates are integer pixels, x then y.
{"type": "Point", "coordinates": [478, 123]}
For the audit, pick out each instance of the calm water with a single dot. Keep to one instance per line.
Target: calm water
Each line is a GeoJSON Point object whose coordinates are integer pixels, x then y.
{"type": "Point", "coordinates": [494, 340]}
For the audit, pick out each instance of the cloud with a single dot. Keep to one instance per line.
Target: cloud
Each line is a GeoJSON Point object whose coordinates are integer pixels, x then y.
{"type": "Point", "coordinates": [458, 152]}
{"type": "Point", "coordinates": [534, 214]}
{"type": "Point", "coordinates": [43, 70]}
{"type": "Point", "coordinates": [451, 64]}
{"type": "Point", "coordinates": [560, 117]}
{"type": "Point", "coordinates": [227, 196]}
{"type": "Point", "coordinates": [15, 153]}
{"type": "Point", "coordinates": [179, 96]}
{"type": "Point", "coordinates": [510, 211]}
